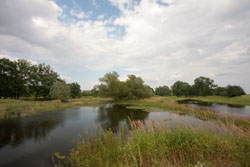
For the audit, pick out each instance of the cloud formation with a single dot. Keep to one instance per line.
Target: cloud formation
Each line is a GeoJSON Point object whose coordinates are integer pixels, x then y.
{"type": "Point", "coordinates": [180, 40]}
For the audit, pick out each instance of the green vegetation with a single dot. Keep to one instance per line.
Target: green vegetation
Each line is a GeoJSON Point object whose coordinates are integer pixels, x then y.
{"type": "Point", "coordinates": [162, 91]}
{"type": "Point", "coordinates": [133, 88]}
{"type": "Point", "coordinates": [75, 90]}
{"type": "Point", "coordinates": [22, 79]}
{"type": "Point", "coordinates": [29, 106]}
{"type": "Point", "coordinates": [181, 89]}
{"type": "Point", "coordinates": [160, 146]}
{"type": "Point", "coordinates": [170, 104]}
{"type": "Point", "coordinates": [60, 90]}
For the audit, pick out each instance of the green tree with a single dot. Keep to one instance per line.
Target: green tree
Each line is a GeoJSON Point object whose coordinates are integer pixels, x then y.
{"type": "Point", "coordinates": [203, 86]}
{"type": "Point", "coordinates": [163, 91]}
{"type": "Point", "coordinates": [42, 77]}
{"type": "Point", "coordinates": [75, 90]}
{"type": "Point", "coordinates": [60, 90]}
{"type": "Point", "coordinates": [233, 91]}
{"type": "Point", "coordinates": [180, 88]}
{"type": "Point", "coordinates": [7, 78]}
{"type": "Point", "coordinates": [136, 88]}
{"type": "Point", "coordinates": [109, 84]}
{"type": "Point", "coordinates": [220, 91]}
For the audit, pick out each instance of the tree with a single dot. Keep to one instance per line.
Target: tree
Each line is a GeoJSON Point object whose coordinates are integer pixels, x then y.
{"type": "Point", "coordinates": [42, 77]}
{"type": "Point", "coordinates": [163, 91]}
{"type": "Point", "coordinates": [60, 90]}
{"type": "Point", "coordinates": [181, 89]}
{"type": "Point", "coordinates": [109, 84]}
{"type": "Point", "coordinates": [133, 88]}
{"type": "Point", "coordinates": [203, 86]}
{"type": "Point", "coordinates": [220, 91]}
{"type": "Point", "coordinates": [136, 88]}
{"type": "Point", "coordinates": [75, 90]}
{"type": "Point", "coordinates": [233, 91]}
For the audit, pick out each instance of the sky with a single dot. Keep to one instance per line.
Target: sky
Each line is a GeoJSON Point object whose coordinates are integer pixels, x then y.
{"type": "Point", "coordinates": [162, 41]}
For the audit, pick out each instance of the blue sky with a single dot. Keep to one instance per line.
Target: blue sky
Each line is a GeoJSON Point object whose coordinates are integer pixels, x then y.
{"type": "Point", "coordinates": [160, 40]}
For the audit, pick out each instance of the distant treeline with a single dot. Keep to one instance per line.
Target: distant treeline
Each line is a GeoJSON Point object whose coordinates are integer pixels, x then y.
{"type": "Point", "coordinates": [202, 86]}
{"type": "Point", "coordinates": [21, 78]}
{"type": "Point", "coordinates": [134, 88]}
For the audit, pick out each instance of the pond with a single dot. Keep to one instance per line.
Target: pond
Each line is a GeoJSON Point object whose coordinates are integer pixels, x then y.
{"type": "Point", "coordinates": [222, 108]}
{"type": "Point", "coordinates": [32, 141]}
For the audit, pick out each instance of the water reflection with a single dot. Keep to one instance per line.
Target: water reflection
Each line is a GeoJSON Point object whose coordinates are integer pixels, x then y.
{"type": "Point", "coordinates": [16, 131]}
{"type": "Point", "coordinates": [32, 141]}
{"type": "Point", "coordinates": [111, 116]}
{"type": "Point", "coordinates": [223, 108]}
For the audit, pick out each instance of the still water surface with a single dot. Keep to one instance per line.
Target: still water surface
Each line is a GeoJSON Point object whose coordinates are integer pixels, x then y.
{"type": "Point", "coordinates": [222, 108]}
{"type": "Point", "coordinates": [31, 141]}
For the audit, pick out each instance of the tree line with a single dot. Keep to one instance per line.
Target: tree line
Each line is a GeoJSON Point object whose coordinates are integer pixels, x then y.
{"type": "Point", "coordinates": [21, 78]}
{"type": "Point", "coordinates": [203, 86]}
{"type": "Point", "coordinates": [134, 88]}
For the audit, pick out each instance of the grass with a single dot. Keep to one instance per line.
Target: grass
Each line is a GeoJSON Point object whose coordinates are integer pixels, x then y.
{"type": "Point", "coordinates": [170, 104]}
{"type": "Point", "coordinates": [158, 147]}
{"type": "Point", "coordinates": [239, 100]}
{"type": "Point", "coordinates": [27, 107]}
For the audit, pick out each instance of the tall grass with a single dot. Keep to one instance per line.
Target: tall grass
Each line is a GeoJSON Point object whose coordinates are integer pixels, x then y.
{"type": "Point", "coordinates": [26, 107]}
{"type": "Point", "coordinates": [154, 145]}
{"type": "Point", "coordinates": [173, 106]}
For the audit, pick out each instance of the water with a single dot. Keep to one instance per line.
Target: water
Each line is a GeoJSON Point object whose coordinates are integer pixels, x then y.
{"type": "Point", "coordinates": [31, 141]}
{"type": "Point", "coordinates": [222, 108]}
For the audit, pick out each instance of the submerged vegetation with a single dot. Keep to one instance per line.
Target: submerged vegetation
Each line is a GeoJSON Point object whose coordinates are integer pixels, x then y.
{"type": "Point", "coordinates": [154, 145]}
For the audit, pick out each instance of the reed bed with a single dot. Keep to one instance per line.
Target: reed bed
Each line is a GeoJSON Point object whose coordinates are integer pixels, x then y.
{"type": "Point", "coordinates": [152, 144]}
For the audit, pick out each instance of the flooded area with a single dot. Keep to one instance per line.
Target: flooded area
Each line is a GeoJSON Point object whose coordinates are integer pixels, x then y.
{"type": "Point", "coordinates": [32, 141]}
{"type": "Point", "coordinates": [222, 108]}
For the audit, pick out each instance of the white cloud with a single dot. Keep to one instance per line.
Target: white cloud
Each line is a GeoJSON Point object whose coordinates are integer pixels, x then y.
{"type": "Point", "coordinates": [184, 40]}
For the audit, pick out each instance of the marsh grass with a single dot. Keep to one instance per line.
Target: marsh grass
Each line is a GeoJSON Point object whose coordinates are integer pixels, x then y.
{"type": "Point", "coordinates": [173, 106]}
{"type": "Point", "coordinates": [239, 100]}
{"type": "Point", "coordinates": [152, 144]}
{"type": "Point", "coordinates": [27, 107]}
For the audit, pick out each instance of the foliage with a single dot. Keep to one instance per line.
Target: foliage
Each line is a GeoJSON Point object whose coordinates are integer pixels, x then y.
{"type": "Point", "coordinates": [21, 78]}
{"type": "Point", "coordinates": [75, 90]}
{"type": "Point", "coordinates": [60, 90]}
{"type": "Point", "coordinates": [133, 88]}
{"type": "Point", "coordinates": [163, 91]}
{"type": "Point", "coordinates": [159, 146]}
{"type": "Point", "coordinates": [181, 89]}
{"type": "Point", "coordinates": [203, 86]}
{"type": "Point", "coordinates": [220, 91]}
{"type": "Point", "coordinates": [233, 91]}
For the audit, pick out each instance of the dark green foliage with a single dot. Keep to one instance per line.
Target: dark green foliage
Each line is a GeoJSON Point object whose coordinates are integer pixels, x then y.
{"type": "Point", "coordinates": [233, 91]}
{"type": "Point", "coordinates": [163, 91]}
{"type": "Point", "coordinates": [133, 88]}
{"type": "Point", "coordinates": [14, 77]}
{"type": "Point", "coordinates": [75, 90]}
{"type": "Point", "coordinates": [220, 91]}
{"type": "Point", "coordinates": [20, 78]}
{"type": "Point", "coordinates": [203, 86]}
{"type": "Point", "coordinates": [181, 89]}
{"type": "Point", "coordinates": [41, 78]}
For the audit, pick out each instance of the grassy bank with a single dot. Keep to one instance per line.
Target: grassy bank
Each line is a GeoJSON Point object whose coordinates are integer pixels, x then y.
{"type": "Point", "coordinates": [239, 100]}
{"type": "Point", "coordinates": [160, 146]}
{"type": "Point", "coordinates": [170, 104]}
{"type": "Point", "coordinates": [27, 107]}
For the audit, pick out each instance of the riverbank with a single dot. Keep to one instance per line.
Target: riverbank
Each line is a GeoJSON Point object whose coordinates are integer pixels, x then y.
{"type": "Point", "coordinates": [170, 104]}
{"type": "Point", "coordinates": [160, 146]}
{"type": "Point", "coordinates": [28, 107]}
{"type": "Point", "coordinates": [239, 100]}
